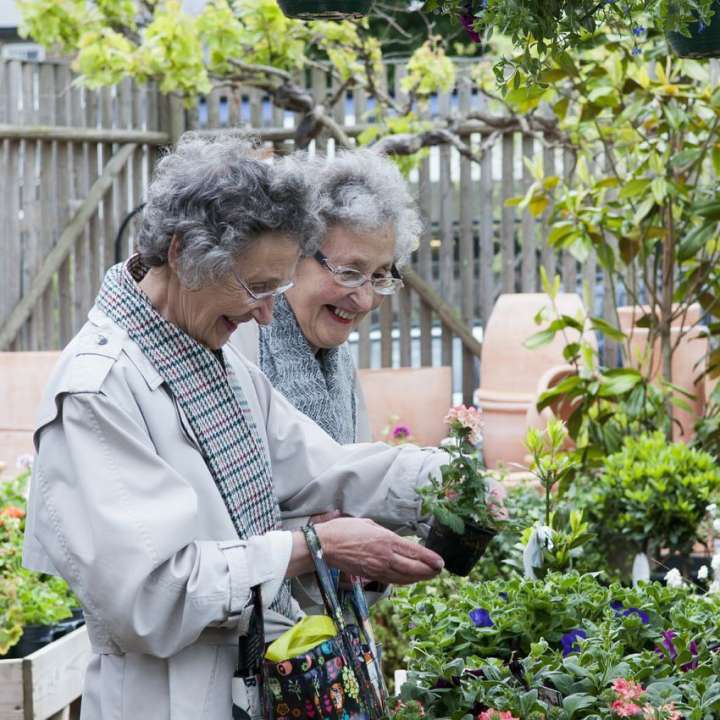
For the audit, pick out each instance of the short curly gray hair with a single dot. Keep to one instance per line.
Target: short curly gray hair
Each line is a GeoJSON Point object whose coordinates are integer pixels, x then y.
{"type": "Point", "coordinates": [217, 197]}
{"type": "Point", "coordinates": [365, 190]}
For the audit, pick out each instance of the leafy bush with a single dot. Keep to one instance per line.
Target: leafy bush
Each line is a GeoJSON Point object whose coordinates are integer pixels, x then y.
{"type": "Point", "coordinates": [653, 491]}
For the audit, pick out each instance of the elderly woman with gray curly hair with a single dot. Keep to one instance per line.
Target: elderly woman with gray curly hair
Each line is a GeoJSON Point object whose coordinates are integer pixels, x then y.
{"type": "Point", "coordinates": [167, 463]}
{"type": "Point", "coordinates": [371, 227]}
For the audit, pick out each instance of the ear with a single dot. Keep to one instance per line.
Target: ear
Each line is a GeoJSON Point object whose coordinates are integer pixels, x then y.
{"type": "Point", "coordinates": [174, 253]}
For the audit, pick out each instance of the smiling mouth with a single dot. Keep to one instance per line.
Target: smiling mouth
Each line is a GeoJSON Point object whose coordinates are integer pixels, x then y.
{"type": "Point", "coordinates": [341, 316]}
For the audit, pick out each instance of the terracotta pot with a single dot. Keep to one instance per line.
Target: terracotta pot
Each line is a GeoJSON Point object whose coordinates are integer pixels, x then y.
{"type": "Point", "coordinates": [628, 315]}
{"type": "Point", "coordinates": [506, 364]}
{"type": "Point", "coordinates": [687, 365]}
{"type": "Point", "coordinates": [561, 408]}
{"type": "Point", "coordinates": [503, 426]}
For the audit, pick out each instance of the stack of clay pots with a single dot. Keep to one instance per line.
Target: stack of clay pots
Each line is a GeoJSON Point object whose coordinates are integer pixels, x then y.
{"type": "Point", "coordinates": [509, 372]}
{"type": "Point", "coordinates": [687, 364]}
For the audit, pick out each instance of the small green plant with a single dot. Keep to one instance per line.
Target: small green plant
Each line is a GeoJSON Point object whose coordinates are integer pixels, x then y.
{"type": "Point", "coordinates": [465, 492]}
{"type": "Point", "coordinates": [654, 493]}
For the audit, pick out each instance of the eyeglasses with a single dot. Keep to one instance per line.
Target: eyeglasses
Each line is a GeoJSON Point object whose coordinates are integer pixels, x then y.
{"type": "Point", "coordinates": [349, 277]}
{"type": "Point", "coordinates": [256, 297]}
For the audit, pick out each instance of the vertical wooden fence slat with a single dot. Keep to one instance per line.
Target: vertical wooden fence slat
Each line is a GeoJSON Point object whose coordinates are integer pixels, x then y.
{"type": "Point", "coordinates": [140, 119]}
{"type": "Point", "coordinates": [404, 310]}
{"type": "Point", "coordinates": [549, 256]}
{"type": "Point", "coordinates": [11, 224]}
{"type": "Point", "coordinates": [6, 179]}
{"type": "Point", "coordinates": [81, 257]}
{"type": "Point", "coordinates": [49, 230]}
{"type": "Point", "coordinates": [569, 271]}
{"type": "Point", "coordinates": [213, 108]}
{"type": "Point", "coordinates": [94, 229]}
{"type": "Point", "coordinates": [319, 93]}
{"type": "Point", "coordinates": [487, 237]}
{"type": "Point", "coordinates": [127, 116]}
{"type": "Point", "coordinates": [64, 180]}
{"type": "Point", "coordinates": [424, 261]}
{"type": "Point", "coordinates": [234, 106]}
{"type": "Point", "coordinates": [446, 260]}
{"type": "Point", "coordinates": [386, 341]}
{"type": "Point", "coordinates": [106, 151]}
{"type": "Point", "coordinates": [30, 209]}
{"type": "Point", "coordinates": [466, 251]}
{"type": "Point", "coordinates": [364, 342]}
{"type": "Point", "coordinates": [529, 250]}
{"type": "Point", "coordinates": [507, 228]}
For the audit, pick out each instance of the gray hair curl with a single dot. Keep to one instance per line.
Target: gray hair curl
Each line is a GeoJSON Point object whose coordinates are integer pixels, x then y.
{"type": "Point", "coordinates": [365, 190]}
{"type": "Point", "coordinates": [218, 197]}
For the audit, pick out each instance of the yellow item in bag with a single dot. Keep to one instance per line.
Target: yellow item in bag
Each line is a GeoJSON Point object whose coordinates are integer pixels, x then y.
{"type": "Point", "coordinates": [305, 635]}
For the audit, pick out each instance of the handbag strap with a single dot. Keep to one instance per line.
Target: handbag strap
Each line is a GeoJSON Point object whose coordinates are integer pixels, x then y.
{"type": "Point", "coordinates": [324, 576]}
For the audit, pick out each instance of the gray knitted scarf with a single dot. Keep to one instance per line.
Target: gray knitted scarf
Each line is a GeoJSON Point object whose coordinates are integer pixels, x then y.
{"type": "Point", "coordinates": [212, 400]}
{"type": "Point", "coordinates": [322, 386]}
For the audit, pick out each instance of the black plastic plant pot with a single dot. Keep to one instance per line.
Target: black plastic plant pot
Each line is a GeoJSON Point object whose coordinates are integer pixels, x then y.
{"type": "Point", "coordinates": [325, 9]}
{"type": "Point", "coordinates": [704, 40]}
{"type": "Point", "coordinates": [460, 552]}
{"type": "Point", "coordinates": [33, 638]}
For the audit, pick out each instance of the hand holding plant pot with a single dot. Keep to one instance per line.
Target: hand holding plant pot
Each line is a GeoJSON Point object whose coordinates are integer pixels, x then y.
{"type": "Point", "coordinates": [466, 504]}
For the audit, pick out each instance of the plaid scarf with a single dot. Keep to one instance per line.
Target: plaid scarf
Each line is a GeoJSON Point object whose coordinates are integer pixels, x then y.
{"type": "Point", "coordinates": [212, 400]}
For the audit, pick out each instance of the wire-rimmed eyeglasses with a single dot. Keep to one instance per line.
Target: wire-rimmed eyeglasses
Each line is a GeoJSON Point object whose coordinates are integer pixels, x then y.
{"type": "Point", "coordinates": [256, 297]}
{"type": "Point", "coordinates": [385, 284]}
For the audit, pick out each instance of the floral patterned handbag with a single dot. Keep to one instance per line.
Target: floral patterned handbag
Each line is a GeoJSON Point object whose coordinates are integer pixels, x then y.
{"type": "Point", "coordinates": [331, 681]}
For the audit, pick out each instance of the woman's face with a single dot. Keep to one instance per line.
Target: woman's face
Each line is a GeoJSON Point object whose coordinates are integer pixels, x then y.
{"type": "Point", "coordinates": [212, 314]}
{"type": "Point", "coordinates": [327, 312]}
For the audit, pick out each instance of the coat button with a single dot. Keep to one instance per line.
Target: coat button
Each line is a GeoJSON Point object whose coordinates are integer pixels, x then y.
{"type": "Point", "coordinates": [102, 340]}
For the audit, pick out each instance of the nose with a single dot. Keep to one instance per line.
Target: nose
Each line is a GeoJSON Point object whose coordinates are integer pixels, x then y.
{"type": "Point", "coordinates": [262, 312]}
{"type": "Point", "coordinates": [364, 297]}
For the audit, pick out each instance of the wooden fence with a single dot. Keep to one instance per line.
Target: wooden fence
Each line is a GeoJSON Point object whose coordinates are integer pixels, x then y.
{"type": "Point", "coordinates": [76, 161]}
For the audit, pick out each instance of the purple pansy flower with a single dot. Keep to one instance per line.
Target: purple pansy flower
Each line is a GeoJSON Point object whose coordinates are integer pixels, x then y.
{"type": "Point", "coordinates": [467, 20]}
{"type": "Point", "coordinates": [569, 641]}
{"type": "Point", "coordinates": [619, 609]}
{"type": "Point", "coordinates": [668, 644]}
{"type": "Point", "coordinates": [400, 432]}
{"type": "Point", "coordinates": [481, 617]}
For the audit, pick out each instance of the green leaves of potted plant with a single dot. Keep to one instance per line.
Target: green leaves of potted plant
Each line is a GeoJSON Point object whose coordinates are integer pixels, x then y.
{"type": "Point", "coordinates": [653, 493]}
{"type": "Point", "coordinates": [467, 511]}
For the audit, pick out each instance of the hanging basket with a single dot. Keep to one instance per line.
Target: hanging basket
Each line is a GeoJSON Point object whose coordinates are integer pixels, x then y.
{"type": "Point", "coordinates": [704, 40]}
{"type": "Point", "coordinates": [325, 9]}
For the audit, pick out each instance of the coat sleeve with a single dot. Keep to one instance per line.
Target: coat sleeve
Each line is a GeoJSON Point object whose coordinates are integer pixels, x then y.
{"type": "Point", "coordinates": [120, 525]}
{"type": "Point", "coordinates": [314, 474]}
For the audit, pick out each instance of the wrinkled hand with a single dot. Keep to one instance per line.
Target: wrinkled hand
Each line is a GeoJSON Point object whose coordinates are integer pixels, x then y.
{"type": "Point", "coordinates": [358, 546]}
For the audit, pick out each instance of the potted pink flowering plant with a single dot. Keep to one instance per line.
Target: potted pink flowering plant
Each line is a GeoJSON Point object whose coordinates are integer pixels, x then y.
{"type": "Point", "coordinates": [465, 504]}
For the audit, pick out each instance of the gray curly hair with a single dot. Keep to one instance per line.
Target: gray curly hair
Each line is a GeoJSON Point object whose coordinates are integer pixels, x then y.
{"type": "Point", "coordinates": [365, 190]}
{"type": "Point", "coordinates": [217, 197]}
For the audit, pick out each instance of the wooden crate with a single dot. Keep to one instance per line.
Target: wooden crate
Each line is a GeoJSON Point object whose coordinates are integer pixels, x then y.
{"type": "Point", "coordinates": [43, 685]}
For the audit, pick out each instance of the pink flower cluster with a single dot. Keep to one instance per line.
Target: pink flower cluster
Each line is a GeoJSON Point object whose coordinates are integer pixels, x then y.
{"type": "Point", "coordinates": [628, 694]}
{"type": "Point", "coordinates": [467, 417]}
{"type": "Point", "coordinates": [496, 715]}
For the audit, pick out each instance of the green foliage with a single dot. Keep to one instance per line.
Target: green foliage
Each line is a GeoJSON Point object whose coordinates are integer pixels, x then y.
{"type": "Point", "coordinates": [25, 597]}
{"type": "Point", "coordinates": [429, 70]}
{"type": "Point", "coordinates": [653, 491]}
{"type": "Point", "coordinates": [518, 656]}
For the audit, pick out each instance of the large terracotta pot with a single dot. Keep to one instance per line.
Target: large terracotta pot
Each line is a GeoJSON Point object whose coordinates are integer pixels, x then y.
{"type": "Point", "coordinates": [506, 364]}
{"type": "Point", "coordinates": [503, 426]}
{"type": "Point", "coordinates": [687, 365]}
{"type": "Point", "coordinates": [510, 372]}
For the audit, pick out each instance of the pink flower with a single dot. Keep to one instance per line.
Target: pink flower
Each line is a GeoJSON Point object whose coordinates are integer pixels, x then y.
{"type": "Point", "coordinates": [627, 690]}
{"type": "Point", "coordinates": [666, 712]}
{"type": "Point", "coordinates": [496, 715]}
{"type": "Point", "coordinates": [626, 709]}
{"type": "Point", "coordinates": [468, 418]}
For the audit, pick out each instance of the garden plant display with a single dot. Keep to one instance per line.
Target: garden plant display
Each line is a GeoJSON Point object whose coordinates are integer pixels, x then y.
{"type": "Point", "coordinates": [32, 606]}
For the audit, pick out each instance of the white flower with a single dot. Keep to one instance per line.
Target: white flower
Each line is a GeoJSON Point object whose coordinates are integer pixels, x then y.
{"type": "Point", "coordinates": [714, 586]}
{"type": "Point", "coordinates": [712, 509]}
{"type": "Point", "coordinates": [673, 578]}
{"type": "Point", "coordinates": [716, 525]}
{"type": "Point", "coordinates": [415, 5]}
{"type": "Point", "coordinates": [703, 572]}
{"type": "Point", "coordinates": [715, 563]}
